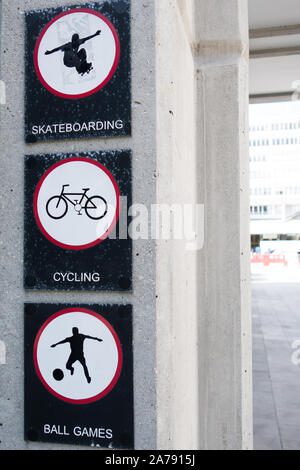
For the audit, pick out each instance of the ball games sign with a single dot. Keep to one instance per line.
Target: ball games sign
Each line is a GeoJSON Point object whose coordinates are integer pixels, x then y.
{"type": "Point", "coordinates": [78, 374]}
{"type": "Point", "coordinates": [78, 72]}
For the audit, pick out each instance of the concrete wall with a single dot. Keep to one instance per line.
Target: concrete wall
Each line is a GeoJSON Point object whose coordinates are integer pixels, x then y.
{"type": "Point", "coordinates": [203, 158]}
{"type": "Point", "coordinates": [12, 150]}
{"type": "Point", "coordinates": [192, 331]}
{"type": "Point", "coordinates": [177, 386]}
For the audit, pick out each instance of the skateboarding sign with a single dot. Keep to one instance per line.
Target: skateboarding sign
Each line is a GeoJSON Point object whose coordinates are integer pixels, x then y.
{"type": "Point", "coordinates": [78, 64]}
{"type": "Point", "coordinates": [78, 71]}
{"type": "Point", "coordinates": [79, 374]}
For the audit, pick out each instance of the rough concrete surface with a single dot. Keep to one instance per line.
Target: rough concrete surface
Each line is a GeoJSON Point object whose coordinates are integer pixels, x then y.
{"type": "Point", "coordinates": [12, 151]}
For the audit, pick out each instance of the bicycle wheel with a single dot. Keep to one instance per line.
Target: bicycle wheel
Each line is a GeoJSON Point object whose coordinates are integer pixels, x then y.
{"type": "Point", "coordinates": [96, 207]}
{"type": "Point", "coordinates": [56, 207]}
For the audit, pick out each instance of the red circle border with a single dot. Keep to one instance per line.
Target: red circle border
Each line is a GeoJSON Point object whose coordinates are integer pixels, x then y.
{"type": "Point", "coordinates": [119, 348]}
{"type": "Point", "coordinates": [114, 66]}
{"type": "Point", "coordinates": [36, 195]}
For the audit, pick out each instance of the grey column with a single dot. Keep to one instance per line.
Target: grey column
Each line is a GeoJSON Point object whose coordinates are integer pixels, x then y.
{"type": "Point", "coordinates": [203, 158]}
{"type": "Point", "coordinates": [191, 299]}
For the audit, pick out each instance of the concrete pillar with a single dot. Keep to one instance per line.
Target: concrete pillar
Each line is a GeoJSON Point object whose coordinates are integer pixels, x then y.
{"type": "Point", "coordinates": [204, 327]}
{"type": "Point", "coordinates": [191, 297]}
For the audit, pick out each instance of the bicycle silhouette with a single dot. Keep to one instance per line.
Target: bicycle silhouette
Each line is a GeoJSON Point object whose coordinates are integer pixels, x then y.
{"type": "Point", "coordinates": [95, 206]}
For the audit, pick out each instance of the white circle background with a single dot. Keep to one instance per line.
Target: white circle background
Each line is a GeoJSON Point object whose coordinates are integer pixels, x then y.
{"type": "Point", "coordinates": [74, 229]}
{"type": "Point", "coordinates": [101, 357]}
{"type": "Point", "coordinates": [101, 51]}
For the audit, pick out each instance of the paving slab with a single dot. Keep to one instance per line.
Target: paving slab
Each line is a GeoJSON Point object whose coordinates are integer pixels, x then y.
{"type": "Point", "coordinates": [276, 365]}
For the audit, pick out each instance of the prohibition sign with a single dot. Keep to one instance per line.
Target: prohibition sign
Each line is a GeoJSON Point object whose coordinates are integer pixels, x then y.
{"type": "Point", "coordinates": [76, 203]}
{"type": "Point", "coordinates": [77, 355]}
{"type": "Point", "coordinates": [77, 53]}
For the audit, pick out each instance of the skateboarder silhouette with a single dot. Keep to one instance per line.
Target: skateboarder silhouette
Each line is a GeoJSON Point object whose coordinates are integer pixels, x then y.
{"type": "Point", "coordinates": [76, 344]}
{"type": "Point", "coordinates": [73, 57]}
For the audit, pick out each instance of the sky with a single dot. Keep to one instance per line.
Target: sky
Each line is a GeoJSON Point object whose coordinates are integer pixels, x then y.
{"type": "Point", "coordinates": [282, 110]}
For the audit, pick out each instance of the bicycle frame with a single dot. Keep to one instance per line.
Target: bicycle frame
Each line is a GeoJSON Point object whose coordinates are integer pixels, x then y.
{"type": "Point", "coordinates": [78, 204]}
{"type": "Point", "coordinates": [65, 195]}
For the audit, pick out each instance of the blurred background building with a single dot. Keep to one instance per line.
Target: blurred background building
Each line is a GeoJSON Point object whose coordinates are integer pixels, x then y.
{"type": "Point", "coordinates": [274, 156]}
{"type": "Point", "coordinates": [274, 161]}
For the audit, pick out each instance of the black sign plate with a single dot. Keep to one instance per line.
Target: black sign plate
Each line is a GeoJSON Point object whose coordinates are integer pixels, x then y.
{"type": "Point", "coordinates": [79, 375]}
{"type": "Point", "coordinates": [77, 71]}
{"type": "Point", "coordinates": [75, 208]}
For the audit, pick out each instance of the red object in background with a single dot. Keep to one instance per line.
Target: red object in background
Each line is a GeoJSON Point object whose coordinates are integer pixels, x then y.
{"type": "Point", "coordinates": [267, 259]}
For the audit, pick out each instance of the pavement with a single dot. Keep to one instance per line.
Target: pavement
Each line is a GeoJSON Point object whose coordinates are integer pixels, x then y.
{"type": "Point", "coordinates": [276, 358]}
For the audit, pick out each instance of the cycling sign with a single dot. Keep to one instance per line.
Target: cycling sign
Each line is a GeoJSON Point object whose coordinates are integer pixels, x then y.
{"type": "Point", "coordinates": [76, 203]}
{"type": "Point", "coordinates": [76, 220]}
